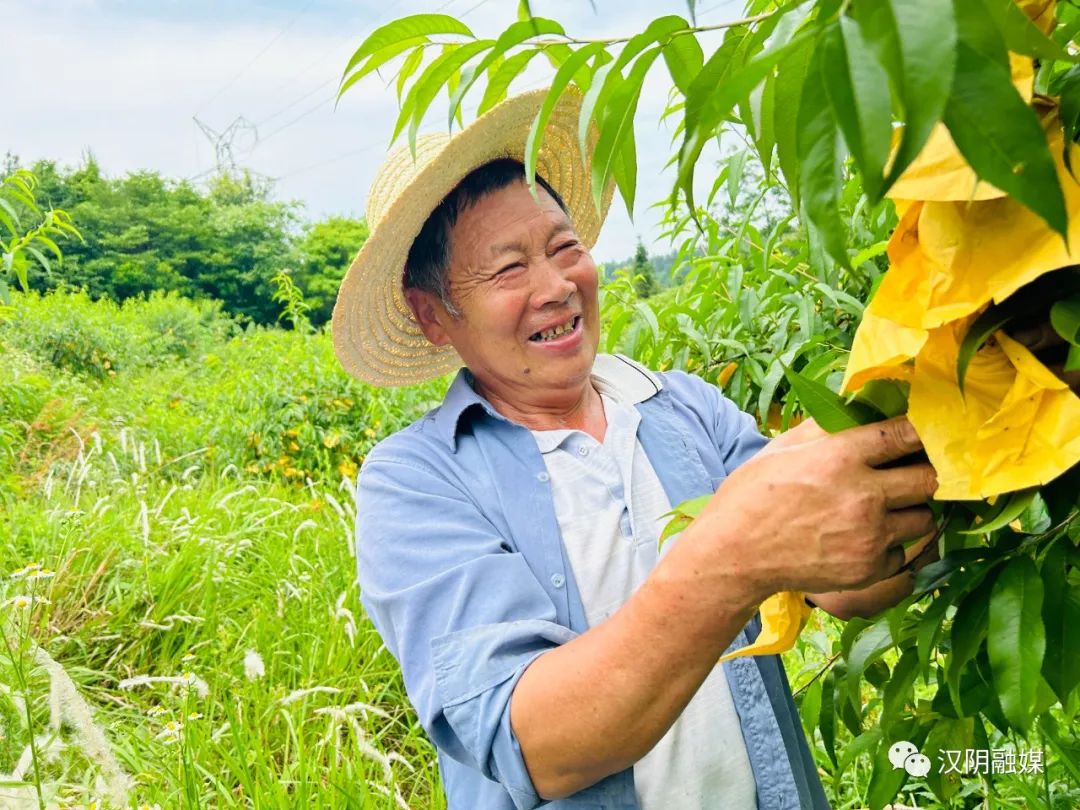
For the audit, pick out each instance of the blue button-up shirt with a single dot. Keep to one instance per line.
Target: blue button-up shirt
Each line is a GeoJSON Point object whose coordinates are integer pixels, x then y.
{"type": "Point", "coordinates": [463, 573]}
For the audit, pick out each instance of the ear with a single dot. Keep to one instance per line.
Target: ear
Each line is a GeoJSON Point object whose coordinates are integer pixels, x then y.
{"type": "Point", "coordinates": [429, 313]}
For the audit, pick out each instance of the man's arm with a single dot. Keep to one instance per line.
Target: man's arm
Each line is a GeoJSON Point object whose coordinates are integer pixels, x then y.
{"type": "Point", "coordinates": [812, 516]}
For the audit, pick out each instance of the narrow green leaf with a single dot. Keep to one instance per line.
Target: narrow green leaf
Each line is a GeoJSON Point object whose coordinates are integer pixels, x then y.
{"type": "Point", "coordinates": [408, 68]}
{"type": "Point", "coordinates": [618, 124]}
{"type": "Point", "coordinates": [1021, 34]}
{"type": "Point", "coordinates": [827, 408]}
{"type": "Point", "coordinates": [1000, 137]}
{"type": "Point", "coordinates": [499, 82]}
{"type": "Point", "coordinates": [869, 646]}
{"type": "Point", "coordinates": [827, 723]}
{"type": "Point", "coordinates": [721, 101]}
{"type": "Point", "coordinates": [820, 178]}
{"type": "Point", "coordinates": [684, 59]}
{"type": "Point", "coordinates": [858, 89]}
{"type": "Point", "coordinates": [790, 75]}
{"type": "Point", "coordinates": [515, 34]}
{"type": "Point", "coordinates": [969, 628]}
{"type": "Point", "coordinates": [1016, 641]}
{"type": "Point", "coordinates": [609, 78]}
{"type": "Point", "coordinates": [377, 60]}
{"type": "Point", "coordinates": [624, 170]}
{"type": "Point", "coordinates": [1061, 617]}
{"type": "Point", "coordinates": [416, 25]}
{"type": "Point", "coordinates": [915, 41]}
{"type": "Point", "coordinates": [431, 81]}
{"type": "Point", "coordinates": [1068, 92]}
{"type": "Point", "coordinates": [681, 516]}
{"type": "Point", "coordinates": [763, 115]}
{"type": "Point", "coordinates": [42, 259]}
{"type": "Point", "coordinates": [898, 691]}
{"type": "Point", "coordinates": [1065, 318]}
{"type": "Point", "coordinates": [1012, 507]}
{"type": "Point", "coordinates": [1072, 361]}
{"type": "Point", "coordinates": [562, 78]}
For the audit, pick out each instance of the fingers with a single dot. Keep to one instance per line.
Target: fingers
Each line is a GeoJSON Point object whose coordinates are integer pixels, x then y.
{"type": "Point", "coordinates": [885, 441]}
{"type": "Point", "coordinates": [908, 524]}
{"type": "Point", "coordinates": [910, 485]}
{"type": "Point", "coordinates": [805, 431]}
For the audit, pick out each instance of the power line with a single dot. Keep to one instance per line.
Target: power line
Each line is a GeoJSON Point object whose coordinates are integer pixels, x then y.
{"type": "Point", "coordinates": [257, 56]}
{"type": "Point", "coordinates": [320, 104]}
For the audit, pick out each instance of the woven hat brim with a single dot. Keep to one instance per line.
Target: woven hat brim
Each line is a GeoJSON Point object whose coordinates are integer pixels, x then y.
{"type": "Point", "coordinates": [375, 335]}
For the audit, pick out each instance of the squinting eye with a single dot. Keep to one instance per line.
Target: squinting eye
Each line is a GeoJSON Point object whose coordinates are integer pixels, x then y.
{"type": "Point", "coordinates": [566, 245]}
{"type": "Point", "coordinates": [513, 266]}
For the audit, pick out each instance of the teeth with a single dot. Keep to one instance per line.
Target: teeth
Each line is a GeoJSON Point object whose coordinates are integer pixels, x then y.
{"type": "Point", "coordinates": [548, 334]}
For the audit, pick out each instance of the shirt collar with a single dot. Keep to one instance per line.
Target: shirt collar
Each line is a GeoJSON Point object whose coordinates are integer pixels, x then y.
{"type": "Point", "coordinates": [613, 374]}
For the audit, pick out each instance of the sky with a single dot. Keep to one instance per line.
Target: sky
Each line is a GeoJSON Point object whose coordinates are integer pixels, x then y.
{"type": "Point", "coordinates": [149, 84]}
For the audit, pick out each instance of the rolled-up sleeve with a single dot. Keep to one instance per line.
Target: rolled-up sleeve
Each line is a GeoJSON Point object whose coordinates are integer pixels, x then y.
{"type": "Point", "coordinates": [460, 611]}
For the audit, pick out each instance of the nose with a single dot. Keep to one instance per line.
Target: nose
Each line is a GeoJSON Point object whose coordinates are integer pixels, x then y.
{"type": "Point", "coordinates": [550, 283]}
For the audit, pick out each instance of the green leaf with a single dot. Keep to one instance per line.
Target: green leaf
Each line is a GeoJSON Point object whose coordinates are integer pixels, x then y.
{"type": "Point", "coordinates": [1016, 640]}
{"type": "Point", "coordinates": [820, 180]}
{"type": "Point", "coordinates": [1027, 301]}
{"type": "Point", "coordinates": [714, 103]}
{"type": "Point", "coordinates": [515, 34]}
{"type": "Point", "coordinates": [377, 60]}
{"type": "Point", "coordinates": [408, 68]}
{"type": "Point", "coordinates": [609, 78]}
{"type": "Point", "coordinates": [1068, 92]}
{"type": "Point", "coordinates": [499, 82]}
{"type": "Point", "coordinates": [827, 722]}
{"type": "Point", "coordinates": [763, 116]}
{"type": "Point", "coordinates": [1021, 34]}
{"type": "Point", "coordinates": [431, 81]}
{"type": "Point", "coordinates": [969, 628]}
{"type": "Point", "coordinates": [1012, 507]}
{"type": "Point", "coordinates": [562, 78]}
{"type": "Point", "coordinates": [1061, 617]}
{"type": "Point", "coordinates": [1072, 361]}
{"type": "Point", "coordinates": [915, 41]}
{"type": "Point", "coordinates": [684, 59]}
{"type": "Point", "coordinates": [790, 74]}
{"type": "Point", "coordinates": [898, 690]}
{"type": "Point", "coordinates": [681, 516]}
{"type": "Point", "coordinates": [1065, 318]}
{"type": "Point", "coordinates": [1000, 137]}
{"type": "Point", "coordinates": [858, 90]}
{"type": "Point", "coordinates": [406, 28]}
{"type": "Point", "coordinates": [827, 408]}
{"type": "Point", "coordinates": [618, 125]}
{"type": "Point", "coordinates": [869, 646]}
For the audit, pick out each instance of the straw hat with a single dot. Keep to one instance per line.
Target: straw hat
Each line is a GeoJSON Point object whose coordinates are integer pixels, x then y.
{"type": "Point", "coordinates": [376, 337]}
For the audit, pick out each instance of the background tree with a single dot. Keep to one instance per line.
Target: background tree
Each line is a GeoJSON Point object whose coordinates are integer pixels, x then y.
{"type": "Point", "coordinates": [642, 272]}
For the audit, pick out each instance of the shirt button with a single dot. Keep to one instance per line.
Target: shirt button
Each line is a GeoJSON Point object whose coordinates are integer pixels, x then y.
{"type": "Point", "coordinates": [557, 580]}
{"type": "Point", "coordinates": [542, 476]}
{"type": "Point", "coordinates": [583, 450]}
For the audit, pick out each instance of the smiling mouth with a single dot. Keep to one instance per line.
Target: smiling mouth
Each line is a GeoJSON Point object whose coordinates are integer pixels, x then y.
{"type": "Point", "coordinates": [558, 331]}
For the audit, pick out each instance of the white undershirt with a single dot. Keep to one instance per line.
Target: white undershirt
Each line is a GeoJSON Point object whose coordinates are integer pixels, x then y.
{"type": "Point", "coordinates": [701, 762]}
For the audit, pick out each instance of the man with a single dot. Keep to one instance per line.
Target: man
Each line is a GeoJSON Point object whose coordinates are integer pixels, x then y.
{"type": "Point", "coordinates": [506, 541]}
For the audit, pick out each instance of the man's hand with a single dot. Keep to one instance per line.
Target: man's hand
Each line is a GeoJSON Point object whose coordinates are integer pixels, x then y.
{"type": "Point", "coordinates": [817, 512]}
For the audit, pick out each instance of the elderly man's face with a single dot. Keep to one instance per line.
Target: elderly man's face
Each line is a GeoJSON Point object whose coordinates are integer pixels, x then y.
{"type": "Point", "coordinates": [517, 268]}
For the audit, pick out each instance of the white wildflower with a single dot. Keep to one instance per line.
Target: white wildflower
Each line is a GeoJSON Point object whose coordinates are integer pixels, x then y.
{"type": "Point", "coordinates": [253, 665]}
{"type": "Point", "coordinates": [26, 569]}
{"type": "Point", "coordinates": [40, 573]}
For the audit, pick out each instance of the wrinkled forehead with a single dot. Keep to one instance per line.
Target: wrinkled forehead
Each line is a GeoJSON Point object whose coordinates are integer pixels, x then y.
{"type": "Point", "coordinates": [507, 219]}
